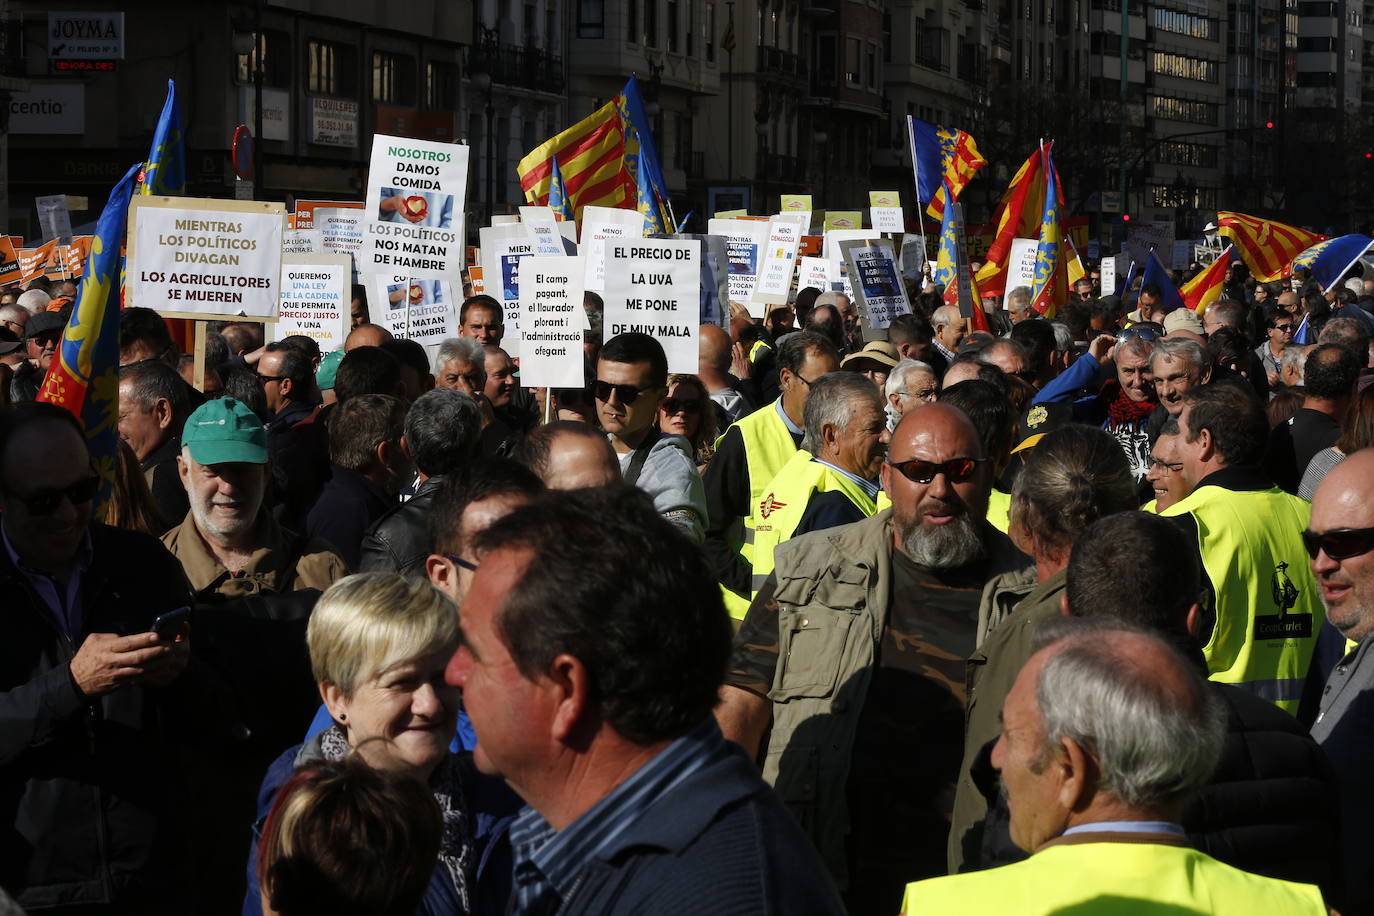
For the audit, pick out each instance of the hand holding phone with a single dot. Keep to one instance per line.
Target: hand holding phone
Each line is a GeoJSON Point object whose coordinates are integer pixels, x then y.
{"type": "Point", "coordinates": [168, 626]}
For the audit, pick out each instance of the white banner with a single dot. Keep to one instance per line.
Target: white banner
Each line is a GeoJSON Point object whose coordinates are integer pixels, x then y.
{"type": "Point", "coordinates": [1020, 266]}
{"type": "Point", "coordinates": [652, 286]}
{"type": "Point", "coordinates": [342, 230]}
{"type": "Point", "coordinates": [886, 219]}
{"type": "Point", "coordinates": [598, 225]}
{"type": "Point", "coordinates": [815, 273]}
{"type": "Point", "coordinates": [315, 298]}
{"type": "Point", "coordinates": [774, 281]}
{"type": "Point", "coordinates": [551, 318]}
{"type": "Point", "coordinates": [744, 241]}
{"type": "Point", "coordinates": [414, 207]}
{"type": "Point", "coordinates": [418, 309]}
{"type": "Point", "coordinates": [503, 249]}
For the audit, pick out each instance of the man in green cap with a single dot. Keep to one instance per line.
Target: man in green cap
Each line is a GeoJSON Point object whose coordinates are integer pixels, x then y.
{"type": "Point", "coordinates": [229, 546]}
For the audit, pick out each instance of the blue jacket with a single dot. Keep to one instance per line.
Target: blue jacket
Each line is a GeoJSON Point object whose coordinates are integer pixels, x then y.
{"type": "Point", "coordinates": [491, 808]}
{"type": "Point", "coordinates": [1067, 387]}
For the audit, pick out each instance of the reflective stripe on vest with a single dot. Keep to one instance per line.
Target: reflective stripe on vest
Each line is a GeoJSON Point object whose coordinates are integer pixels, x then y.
{"type": "Point", "coordinates": [999, 509]}
{"type": "Point", "coordinates": [1268, 608]}
{"type": "Point", "coordinates": [758, 349]}
{"type": "Point", "coordinates": [780, 509]}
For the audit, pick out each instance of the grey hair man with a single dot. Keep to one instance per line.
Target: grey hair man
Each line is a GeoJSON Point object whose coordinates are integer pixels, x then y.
{"type": "Point", "coordinates": [1019, 304]}
{"type": "Point", "coordinates": [1007, 355]}
{"type": "Point", "coordinates": [442, 430]}
{"type": "Point", "coordinates": [949, 331]}
{"type": "Point", "coordinates": [460, 364]}
{"type": "Point", "coordinates": [910, 384]}
{"type": "Point", "coordinates": [34, 301]}
{"type": "Point", "coordinates": [1178, 364]}
{"type": "Point", "coordinates": [14, 317]}
{"type": "Point", "coordinates": [1292, 364]}
{"type": "Point", "coordinates": [153, 405]}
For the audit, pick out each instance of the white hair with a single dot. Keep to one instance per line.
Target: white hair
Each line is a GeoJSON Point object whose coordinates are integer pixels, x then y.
{"type": "Point", "coordinates": [833, 400]}
{"type": "Point", "coordinates": [896, 379]}
{"type": "Point", "coordinates": [464, 348]}
{"type": "Point", "coordinates": [35, 300]}
{"type": "Point", "coordinates": [1018, 300]}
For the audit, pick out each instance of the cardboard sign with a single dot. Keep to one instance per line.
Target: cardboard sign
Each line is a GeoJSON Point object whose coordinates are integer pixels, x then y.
{"type": "Point", "coordinates": [1020, 266]}
{"type": "Point", "coordinates": [1107, 272]}
{"type": "Point", "coordinates": [744, 241]}
{"type": "Point", "coordinates": [878, 289]}
{"type": "Point", "coordinates": [10, 271]}
{"type": "Point", "coordinates": [779, 265]}
{"type": "Point", "coordinates": [306, 212]}
{"type": "Point", "coordinates": [197, 258]}
{"type": "Point", "coordinates": [544, 229]}
{"type": "Point", "coordinates": [598, 225]}
{"type": "Point", "coordinates": [652, 287]}
{"type": "Point", "coordinates": [715, 278]}
{"type": "Point", "coordinates": [32, 260]}
{"type": "Point", "coordinates": [551, 322]}
{"type": "Point", "coordinates": [419, 309]}
{"type": "Point", "coordinates": [886, 219]}
{"type": "Point", "coordinates": [1143, 237]}
{"type": "Point", "coordinates": [475, 282]}
{"type": "Point", "coordinates": [416, 190]}
{"type": "Point", "coordinates": [815, 273]}
{"type": "Point", "coordinates": [302, 241]}
{"type": "Point", "coordinates": [315, 298]}
{"type": "Point", "coordinates": [342, 230]}
{"type": "Point", "coordinates": [834, 255]}
{"type": "Point", "coordinates": [503, 248]}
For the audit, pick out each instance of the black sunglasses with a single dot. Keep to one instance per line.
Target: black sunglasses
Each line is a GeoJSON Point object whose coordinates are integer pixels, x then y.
{"type": "Point", "coordinates": [264, 379]}
{"type": "Point", "coordinates": [1340, 544]}
{"type": "Point", "coordinates": [1143, 332]}
{"type": "Point", "coordinates": [673, 405]}
{"type": "Point", "coordinates": [45, 502]}
{"type": "Point", "coordinates": [459, 561]}
{"type": "Point", "coordinates": [1283, 327]}
{"type": "Point", "coordinates": [918, 470]}
{"type": "Point", "coordinates": [627, 394]}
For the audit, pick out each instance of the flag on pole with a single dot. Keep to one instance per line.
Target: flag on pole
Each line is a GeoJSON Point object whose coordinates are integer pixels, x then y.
{"type": "Point", "coordinates": [1156, 273]}
{"type": "Point", "coordinates": [558, 195]}
{"type": "Point", "coordinates": [1303, 335]}
{"type": "Point", "coordinates": [945, 159]}
{"type": "Point", "coordinates": [1076, 269]}
{"type": "Point", "coordinates": [165, 170]}
{"type": "Point", "coordinates": [1018, 216]}
{"type": "Point", "coordinates": [946, 261]}
{"type": "Point", "coordinates": [1332, 259]}
{"type": "Point", "coordinates": [1206, 287]}
{"type": "Point", "coordinates": [1051, 286]}
{"type": "Point", "coordinates": [727, 38]}
{"type": "Point", "coordinates": [591, 156]}
{"type": "Point", "coordinates": [84, 374]}
{"type": "Point", "coordinates": [1267, 247]}
{"type": "Point", "coordinates": [641, 160]}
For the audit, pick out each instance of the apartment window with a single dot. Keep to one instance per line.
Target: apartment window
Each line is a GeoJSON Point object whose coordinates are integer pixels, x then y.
{"type": "Point", "coordinates": [827, 65]}
{"type": "Point", "coordinates": [709, 32]}
{"type": "Point", "coordinates": [330, 68]}
{"type": "Point", "coordinates": [1184, 67]}
{"type": "Point", "coordinates": [393, 78]}
{"type": "Point", "coordinates": [690, 33]}
{"type": "Point", "coordinates": [441, 86]}
{"type": "Point", "coordinates": [551, 31]}
{"type": "Point", "coordinates": [271, 54]}
{"type": "Point", "coordinates": [853, 60]}
{"type": "Point", "coordinates": [591, 18]}
{"type": "Point", "coordinates": [673, 19]}
{"type": "Point", "coordinates": [632, 21]}
{"type": "Point", "coordinates": [1185, 24]}
{"type": "Point", "coordinates": [871, 66]}
{"type": "Point", "coordinates": [1189, 110]}
{"type": "Point", "coordinates": [1190, 154]}
{"type": "Point", "coordinates": [650, 23]}
{"type": "Point", "coordinates": [531, 17]}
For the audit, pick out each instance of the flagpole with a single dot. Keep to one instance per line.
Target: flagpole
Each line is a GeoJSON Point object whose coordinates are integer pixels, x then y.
{"type": "Point", "coordinates": [920, 208]}
{"type": "Point", "coordinates": [730, 102]}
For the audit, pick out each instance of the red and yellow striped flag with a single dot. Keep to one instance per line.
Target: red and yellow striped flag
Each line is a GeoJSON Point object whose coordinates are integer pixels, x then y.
{"type": "Point", "coordinates": [1205, 288]}
{"type": "Point", "coordinates": [591, 157]}
{"type": "Point", "coordinates": [1018, 216]}
{"type": "Point", "coordinates": [1267, 247]}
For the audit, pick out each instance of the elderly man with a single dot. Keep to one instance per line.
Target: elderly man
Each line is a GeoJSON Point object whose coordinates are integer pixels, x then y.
{"type": "Point", "coordinates": [1105, 736]}
{"type": "Point", "coordinates": [1007, 355]}
{"type": "Point", "coordinates": [949, 333]}
{"type": "Point", "coordinates": [42, 336]}
{"type": "Point", "coordinates": [1121, 404]}
{"type": "Point", "coordinates": [1177, 364]}
{"type": "Point", "coordinates": [13, 318]}
{"type": "Point", "coordinates": [591, 693]}
{"type": "Point", "coordinates": [569, 455]}
{"type": "Point", "coordinates": [143, 335]}
{"type": "Point", "coordinates": [1266, 607]}
{"type": "Point", "coordinates": [366, 335]}
{"type": "Point", "coordinates": [750, 453]}
{"type": "Point", "coordinates": [152, 409]}
{"type": "Point", "coordinates": [854, 653]}
{"type": "Point", "coordinates": [715, 358]}
{"type": "Point", "coordinates": [91, 773]}
{"type": "Point", "coordinates": [910, 384]}
{"type": "Point", "coordinates": [1019, 304]}
{"type": "Point", "coordinates": [460, 364]}
{"type": "Point", "coordinates": [228, 546]}
{"type": "Point", "coordinates": [1338, 540]}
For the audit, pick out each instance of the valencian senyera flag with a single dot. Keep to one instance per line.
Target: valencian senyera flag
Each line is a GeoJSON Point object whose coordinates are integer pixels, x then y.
{"type": "Point", "coordinates": [1329, 261]}
{"type": "Point", "coordinates": [558, 194]}
{"type": "Point", "coordinates": [165, 171]}
{"type": "Point", "coordinates": [1019, 215]}
{"type": "Point", "coordinates": [946, 259]}
{"type": "Point", "coordinates": [1267, 247]}
{"type": "Point", "coordinates": [1051, 286]}
{"type": "Point", "coordinates": [84, 374]}
{"type": "Point", "coordinates": [607, 160]}
{"type": "Point", "coordinates": [944, 159]}
{"type": "Point", "coordinates": [1206, 287]}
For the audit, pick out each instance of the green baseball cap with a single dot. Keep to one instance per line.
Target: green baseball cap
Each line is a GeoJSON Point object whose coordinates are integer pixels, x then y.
{"type": "Point", "coordinates": [329, 368]}
{"type": "Point", "coordinates": [223, 431]}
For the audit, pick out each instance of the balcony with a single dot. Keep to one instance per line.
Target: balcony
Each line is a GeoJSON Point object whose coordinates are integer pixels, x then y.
{"type": "Point", "coordinates": [780, 63]}
{"type": "Point", "coordinates": [527, 68]}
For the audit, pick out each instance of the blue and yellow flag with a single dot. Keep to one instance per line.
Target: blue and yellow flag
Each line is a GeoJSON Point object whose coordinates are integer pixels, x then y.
{"type": "Point", "coordinates": [1157, 275]}
{"type": "Point", "coordinates": [84, 375]}
{"type": "Point", "coordinates": [945, 160]}
{"type": "Point", "coordinates": [641, 160]}
{"type": "Point", "coordinates": [165, 171]}
{"type": "Point", "coordinates": [558, 194]}
{"type": "Point", "coordinates": [946, 259]}
{"type": "Point", "coordinates": [1331, 260]}
{"type": "Point", "coordinates": [1051, 287]}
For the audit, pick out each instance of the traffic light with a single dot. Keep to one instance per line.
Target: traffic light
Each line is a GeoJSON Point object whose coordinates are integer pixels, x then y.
{"type": "Point", "coordinates": [1268, 125]}
{"type": "Point", "coordinates": [1125, 217]}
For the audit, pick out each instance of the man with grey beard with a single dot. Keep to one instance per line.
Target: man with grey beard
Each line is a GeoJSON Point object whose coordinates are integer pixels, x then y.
{"type": "Point", "coordinates": [853, 652]}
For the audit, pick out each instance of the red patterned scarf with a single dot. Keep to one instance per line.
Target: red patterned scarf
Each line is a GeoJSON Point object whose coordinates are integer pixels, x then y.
{"type": "Point", "coordinates": [1120, 408]}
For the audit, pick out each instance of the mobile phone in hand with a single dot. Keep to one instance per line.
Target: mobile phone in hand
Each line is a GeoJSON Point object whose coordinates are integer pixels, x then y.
{"type": "Point", "coordinates": [167, 625]}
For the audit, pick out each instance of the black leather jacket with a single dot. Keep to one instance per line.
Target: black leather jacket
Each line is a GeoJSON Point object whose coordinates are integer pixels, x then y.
{"type": "Point", "coordinates": [399, 541]}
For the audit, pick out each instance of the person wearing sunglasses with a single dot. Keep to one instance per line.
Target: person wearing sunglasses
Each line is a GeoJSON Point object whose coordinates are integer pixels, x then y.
{"type": "Point", "coordinates": [84, 728]}
{"type": "Point", "coordinates": [1279, 330]}
{"type": "Point", "coordinates": [631, 382]}
{"type": "Point", "coordinates": [687, 411]}
{"type": "Point", "coordinates": [1248, 533]}
{"type": "Point", "coordinates": [854, 652]}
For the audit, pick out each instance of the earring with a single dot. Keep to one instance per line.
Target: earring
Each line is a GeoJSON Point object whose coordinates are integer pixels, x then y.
{"type": "Point", "coordinates": [343, 717]}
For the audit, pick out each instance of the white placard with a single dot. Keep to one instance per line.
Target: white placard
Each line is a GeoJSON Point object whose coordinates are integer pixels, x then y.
{"type": "Point", "coordinates": [302, 241]}
{"type": "Point", "coordinates": [886, 219]}
{"type": "Point", "coordinates": [53, 216]}
{"type": "Point", "coordinates": [830, 250]}
{"type": "Point", "coordinates": [551, 319]}
{"type": "Point", "coordinates": [815, 273]}
{"type": "Point", "coordinates": [543, 229]}
{"type": "Point", "coordinates": [1020, 266]}
{"type": "Point", "coordinates": [343, 232]}
{"type": "Point", "coordinates": [779, 265]}
{"type": "Point", "coordinates": [419, 309]}
{"type": "Point", "coordinates": [315, 298]}
{"type": "Point", "coordinates": [334, 122]}
{"type": "Point", "coordinates": [598, 225]}
{"type": "Point", "coordinates": [503, 249]}
{"type": "Point", "coordinates": [414, 207]}
{"type": "Point", "coordinates": [744, 241]}
{"type": "Point", "coordinates": [190, 256]}
{"type": "Point", "coordinates": [652, 286]}
{"type": "Point", "coordinates": [879, 288]}
{"type": "Point", "coordinates": [1107, 275]}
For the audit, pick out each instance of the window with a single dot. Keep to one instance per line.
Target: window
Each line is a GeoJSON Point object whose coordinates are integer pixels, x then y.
{"type": "Point", "coordinates": [531, 17]}
{"type": "Point", "coordinates": [393, 78]}
{"type": "Point", "coordinates": [673, 19]}
{"type": "Point", "coordinates": [1184, 24]}
{"type": "Point", "coordinates": [709, 32]}
{"type": "Point", "coordinates": [691, 34]}
{"type": "Point", "coordinates": [1189, 110]}
{"type": "Point", "coordinates": [1184, 67]}
{"type": "Point", "coordinates": [871, 66]}
{"type": "Point", "coordinates": [632, 21]}
{"type": "Point", "coordinates": [591, 18]}
{"type": "Point", "coordinates": [273, 54]}
{"type": "Point", "coordinates": [332, 68]}
{"type": "Point", "coordinates": [827, 66]}
{"type": "Point", "coordinates": [853, 55]}
{"type": "Point", "coordinates": [1192, 154]}
{"type": "Point", "coordinates": [650, 23]}
{"type": "Point", "coordinates": [441, 86]}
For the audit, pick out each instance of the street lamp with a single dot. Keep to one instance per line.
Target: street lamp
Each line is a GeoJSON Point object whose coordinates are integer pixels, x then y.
{"type": "Point", "coordinates": [479, 75]}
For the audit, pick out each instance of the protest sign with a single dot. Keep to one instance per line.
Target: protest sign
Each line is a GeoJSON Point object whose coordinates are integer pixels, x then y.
{"type": "Point", "coordinates": [652, 286]}
{"type": "Point", "coordinates": [815, 273]}
{"type": "Point", "coordinates": [198, 258]}
{"type": "Point", "coordinates": [551, 321]}
{"type": "Point", "coordinates": [315, 298]}
{"type": "Point", "coordinates": [1143, 237]}
{"type": "Point", "coordinates": [302, 241]}
{"type": "Point", "coordinates": [1107, 271]}
{"type": "Point", "coordinates": [543, 229]}
{"type": "Point", "coordinates": [414, 204]}
{"type": "Point", "coordinates": [839, 269]}
{"type": "Point", "coordinates": [475, 282]}
{"type": "Point", "coordinates": [306, 214]}
{"type": "Point", "coordinates": [503, 248]}
{"type": "Point", "coordinates": [53, 217]}
{"type": "Point", "coordinates": [1021, 266]}
{"type": "Point", "coordinates": [1182, 251]}
{"type": "Point", "coordinates": [31, 260]}
{"type": "Point", "coordinates": [878, 290]}
{"type": "Point", "coordinates": [715, 278]}
{"type": "Point", "coordinates": [10, 272]}
{"type": "Point", "coordinates": [779, 265]}
{"type": "Point", "coordinates": [885, 211]}
{"type": "Point", "coordinates": [731, 214]}
{"type": "Point", "coordinates": [343, 232]}
{"type": "Point", "coordinates": [843, 219]}
{"type": "Point", "coordinates": [911, 257]}
{"type": "Point", "coordinates": [744, 240]}
{"type": "Point", "coordinates": [598, 225]}
{"type": "Point", "coordinates": [798, 205]}
{"type": "Point", "coordinates": [419, 309]}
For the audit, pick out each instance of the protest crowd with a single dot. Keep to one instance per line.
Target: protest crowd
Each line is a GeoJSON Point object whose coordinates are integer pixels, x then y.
{"type": "Point", "coordinates": [912, 588]}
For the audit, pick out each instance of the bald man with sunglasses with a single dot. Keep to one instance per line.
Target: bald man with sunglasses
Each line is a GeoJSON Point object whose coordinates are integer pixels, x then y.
{"type": "Point", "coordinates": [853, 651]}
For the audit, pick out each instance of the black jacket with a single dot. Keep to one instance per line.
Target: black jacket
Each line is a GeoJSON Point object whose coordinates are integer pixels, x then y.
{"type": "Point", "coordinates": [298, 441]}
{"type": "Point", "coordinates": [399, 541]}
{"type": "Point", "coordinates": [164, 482]}
{"type": "Point", "coordinates": [91, 792]}
{"type": "Point", "coordinates": [346, 509]}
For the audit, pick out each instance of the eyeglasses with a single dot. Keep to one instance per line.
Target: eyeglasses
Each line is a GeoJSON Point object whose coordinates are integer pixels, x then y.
{"type": "Point", "coordinates": [1143, 332]}
{"type": "Point", "coordinates": [1283, 327]}
{"type": "Point", "coordinates": [1340, 544]}
{"type": "Point", "coordinates": [13, 324]}
{"type": "Point", "coordinates": [459, 561]}
{"type": "Point", "coordinates": [676, 405]}
{"type": "Point", "coordinates": [918, 470]}
{"type": "Point", "coordinates": [1165, 467]}
{"type": "Point", "coordinates": [805, 381]}
{"type": "Point", "coordinates": [627, 394]}
{"type": "Point", "coordinates": [264, 379]}
{"type": "Point", "coordinates": [45, 502]}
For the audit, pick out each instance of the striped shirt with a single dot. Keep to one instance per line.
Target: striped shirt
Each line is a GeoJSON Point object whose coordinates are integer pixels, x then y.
{"type": "Point", "coordinates": [550, 864]}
